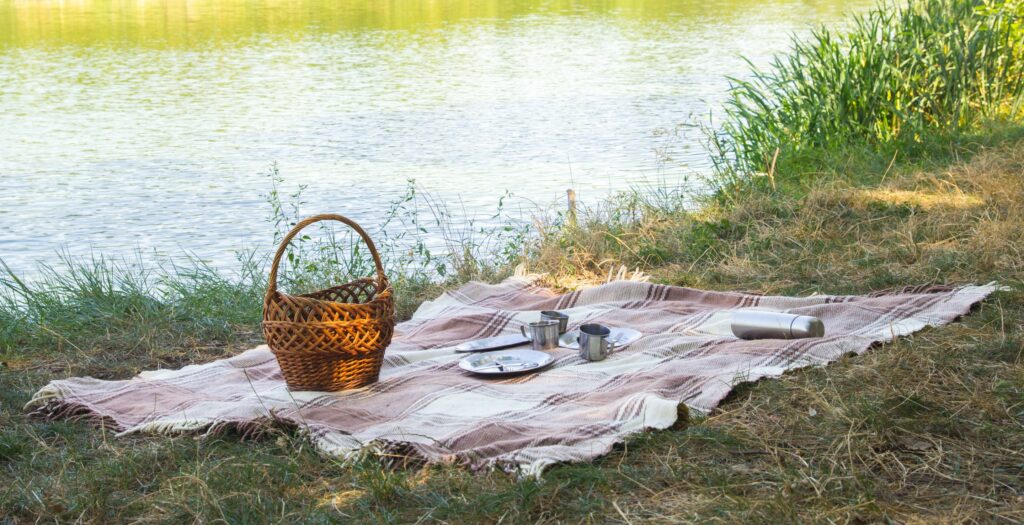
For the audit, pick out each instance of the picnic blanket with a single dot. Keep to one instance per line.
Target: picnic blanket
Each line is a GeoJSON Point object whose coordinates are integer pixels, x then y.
{"type": "Point", "coordinates": [425, 406]}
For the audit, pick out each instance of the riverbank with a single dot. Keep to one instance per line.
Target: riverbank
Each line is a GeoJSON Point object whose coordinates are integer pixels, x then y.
{"type": "Point", "coordinates": [928, 428]}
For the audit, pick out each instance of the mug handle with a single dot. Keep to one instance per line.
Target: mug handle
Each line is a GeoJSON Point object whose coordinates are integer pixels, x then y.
{"type": "Point", "coordinates": [611, 346]}
{"type": "Point", "coordinates": [523, 330]}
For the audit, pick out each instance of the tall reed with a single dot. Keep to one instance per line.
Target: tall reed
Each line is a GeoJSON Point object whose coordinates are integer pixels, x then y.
{"type": "Point", "coordinates": [899, 74]}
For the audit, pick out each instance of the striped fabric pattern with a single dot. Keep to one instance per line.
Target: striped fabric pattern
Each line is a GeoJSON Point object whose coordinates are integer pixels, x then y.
{"type": "Point", "coordinates": [425, 406]}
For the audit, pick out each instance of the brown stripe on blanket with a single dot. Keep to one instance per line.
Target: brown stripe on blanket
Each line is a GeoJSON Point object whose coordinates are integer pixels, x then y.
{"type": "Point", "coordinates": [572, 411]}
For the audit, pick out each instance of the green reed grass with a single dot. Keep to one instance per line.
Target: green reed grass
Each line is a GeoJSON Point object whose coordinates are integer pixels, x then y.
{"type": "Point", "coordinates": [124, 306]}
{"type": "Point", "coordinates": [898, 75]}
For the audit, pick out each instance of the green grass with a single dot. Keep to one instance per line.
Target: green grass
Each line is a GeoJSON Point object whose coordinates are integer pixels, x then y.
{"type": "Point", "coordinates": [900, 74]}
{"type": "Point", "coordinates": [929, 428]}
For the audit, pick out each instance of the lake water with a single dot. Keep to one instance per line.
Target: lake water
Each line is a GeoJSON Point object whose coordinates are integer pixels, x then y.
{"type": "Point", "coordinates": [150, 124]}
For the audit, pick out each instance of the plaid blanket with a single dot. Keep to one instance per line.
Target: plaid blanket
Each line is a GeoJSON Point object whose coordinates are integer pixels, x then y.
{"type": "Point", "coordinates": [425, 406]}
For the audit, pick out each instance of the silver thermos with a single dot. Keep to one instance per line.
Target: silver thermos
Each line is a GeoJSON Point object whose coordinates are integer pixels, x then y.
{"type": "Point", "coordinates": [759, 324]}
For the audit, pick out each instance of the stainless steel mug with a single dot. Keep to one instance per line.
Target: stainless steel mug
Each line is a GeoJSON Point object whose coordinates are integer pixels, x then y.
{"type": "Point", "coordinates": [551, 315]}
{"type": "Point", "coordinates": [543, 335]}
{"type": "Point", "coordinates": [759, 324]}
{"type": "Point", "coordinates": [594, 343]}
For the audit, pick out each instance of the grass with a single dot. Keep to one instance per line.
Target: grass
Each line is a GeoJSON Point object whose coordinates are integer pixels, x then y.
{"type": "Point", "coordinates": [929, 428]}
{"type": "Point", "coordinates": [900, 74]}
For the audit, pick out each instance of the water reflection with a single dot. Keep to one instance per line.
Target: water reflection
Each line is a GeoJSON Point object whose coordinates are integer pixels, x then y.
{"type": "Point", "coordinates": [200, 22]}
{"type": "Point", "coordinates": [147, 123]}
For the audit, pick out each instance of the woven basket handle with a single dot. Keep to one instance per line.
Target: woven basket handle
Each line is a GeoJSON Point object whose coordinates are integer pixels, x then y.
{"type": "Point", "coordinates": [272, 282]}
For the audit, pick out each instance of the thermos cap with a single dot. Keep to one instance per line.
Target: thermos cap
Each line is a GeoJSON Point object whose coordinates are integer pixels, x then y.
{"type": "Point", "coordinates": [806, 326]}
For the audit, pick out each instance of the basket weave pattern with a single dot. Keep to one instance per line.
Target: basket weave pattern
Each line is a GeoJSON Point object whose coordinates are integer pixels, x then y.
{"type": "Point", "coordinates": [333, 339]}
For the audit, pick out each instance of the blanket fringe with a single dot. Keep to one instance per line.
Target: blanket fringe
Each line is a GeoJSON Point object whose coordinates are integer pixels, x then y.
{"type": "Point", "coordinates": [53, 406]}
{"type": "Point", "coordinates": [62, 409]}
{"type": "Point", "coordinates": [616, 272]}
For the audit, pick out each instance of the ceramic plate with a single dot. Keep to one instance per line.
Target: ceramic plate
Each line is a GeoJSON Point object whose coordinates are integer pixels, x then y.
{"type": "Point", "coordinates": [492, 343]}
{"type": "Point", "coordinates": [620, 336]}
{"type": "Point", "coordinates": [508, 362]}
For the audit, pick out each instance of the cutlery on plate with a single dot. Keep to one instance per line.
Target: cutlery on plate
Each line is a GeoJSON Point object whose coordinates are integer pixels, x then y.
{"type": "Point", "coordinates": [503, 366]}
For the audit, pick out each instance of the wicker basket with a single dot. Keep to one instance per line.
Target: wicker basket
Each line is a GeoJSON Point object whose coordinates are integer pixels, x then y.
{"type": "Point", "coordinates": [333, 339]}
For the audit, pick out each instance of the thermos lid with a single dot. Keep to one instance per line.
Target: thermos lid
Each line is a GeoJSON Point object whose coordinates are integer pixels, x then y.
{"type": "Point", "coordinates": [806, 326]}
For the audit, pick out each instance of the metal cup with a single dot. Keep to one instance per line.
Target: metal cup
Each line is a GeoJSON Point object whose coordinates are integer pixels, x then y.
{"type": "Point", "coordinates": [543, 335]}
{"type": "Point", "coordinates": [594, 343]}
{"type": "Point", "coordinates": [551, 315]}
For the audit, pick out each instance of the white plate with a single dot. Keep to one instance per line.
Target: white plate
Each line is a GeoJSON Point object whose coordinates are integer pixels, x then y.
{"type": "Point", "coordinates": [492, 343]}
{"type": "Point", "coordinates": [620, 336]}
{"type": "Point", "coordinates": [510, 361]}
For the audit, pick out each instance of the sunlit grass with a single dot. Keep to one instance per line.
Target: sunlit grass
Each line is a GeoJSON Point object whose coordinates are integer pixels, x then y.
{"type": "Point", "coordinates": [922, 199]}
